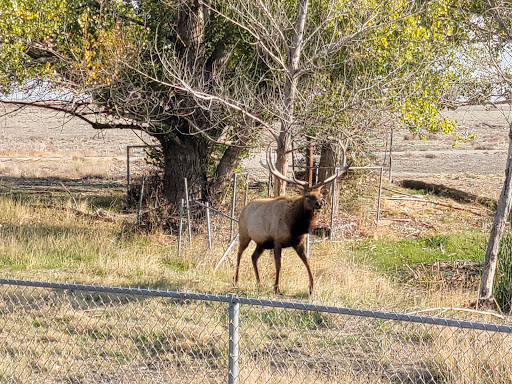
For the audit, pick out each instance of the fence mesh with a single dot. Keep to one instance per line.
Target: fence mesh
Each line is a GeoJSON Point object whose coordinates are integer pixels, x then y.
{"type": "Point", "coordinates": [54, 333]}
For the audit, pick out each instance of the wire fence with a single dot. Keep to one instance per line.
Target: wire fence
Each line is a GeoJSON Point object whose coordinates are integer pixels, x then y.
{"type": "Point", "coordinates": [69, 333]}
{"type": "Point", "coordinates": [218, 225]}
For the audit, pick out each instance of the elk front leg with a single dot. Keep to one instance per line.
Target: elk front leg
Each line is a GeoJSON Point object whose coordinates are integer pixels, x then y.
{"type": "Point", "coordinates": [255, 256]}
{"type": "Point", "coordinates": [277, 259]}
{"type": "Point", "coordinates": [302, 254]}
{"type": "Point", "coordinates": [243, 243]}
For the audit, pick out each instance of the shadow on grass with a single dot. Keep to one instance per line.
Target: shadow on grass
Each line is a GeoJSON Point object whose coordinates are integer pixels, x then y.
{"type": "Point", "coordinates": [99, 193]}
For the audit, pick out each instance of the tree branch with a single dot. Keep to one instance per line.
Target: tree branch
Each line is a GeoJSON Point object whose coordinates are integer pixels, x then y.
{"type": "Point", "coordinates": [74, 113]}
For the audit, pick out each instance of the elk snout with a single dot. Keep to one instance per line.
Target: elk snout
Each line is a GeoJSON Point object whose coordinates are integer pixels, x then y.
{"type": "Point", "coordinates": [319, 204]}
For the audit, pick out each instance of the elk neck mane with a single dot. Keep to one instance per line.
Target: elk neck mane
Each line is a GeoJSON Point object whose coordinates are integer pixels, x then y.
{"type": "Point", "coordinates": [302, 220]}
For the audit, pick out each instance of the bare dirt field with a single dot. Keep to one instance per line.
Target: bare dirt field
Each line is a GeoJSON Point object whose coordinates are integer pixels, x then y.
{"type": "Point", "coordinates": [40, 144]}
{"type": "Point", "coordinates": [477, 165]}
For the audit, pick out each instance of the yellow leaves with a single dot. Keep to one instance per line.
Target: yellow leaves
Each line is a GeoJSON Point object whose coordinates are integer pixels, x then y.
{"type": "Point", "coordinates": [422, 113]}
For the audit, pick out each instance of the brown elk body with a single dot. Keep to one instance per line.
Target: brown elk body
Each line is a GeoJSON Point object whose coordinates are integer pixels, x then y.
{"type": "Point", "coordinates": [281, 222]}
{"type": "Point", "coordinates": [276, 224]}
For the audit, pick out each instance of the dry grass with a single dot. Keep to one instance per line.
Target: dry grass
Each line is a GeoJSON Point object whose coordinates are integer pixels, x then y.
{"type": "Point", "coordinates": [45, 237]}
{"type": "Point", "coordinates": [68, 167]}
{"type": "Point", "coordinates": [40, 238]}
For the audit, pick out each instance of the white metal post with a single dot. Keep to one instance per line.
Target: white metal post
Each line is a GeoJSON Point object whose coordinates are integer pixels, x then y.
{"type": "Point", "coordinates": [208, 225]}
{"type": "Point", "coordinates": [180, 227]}
{"type": "Point", "coordinates": [380, 196]}
{"type": "Point", "coordinates": [233, 204]}
{"type": "Point", "coordinates": [141, 197]}
{"type": "Point", "coordinates": [188, 213]}
{"type": "Point", "coordinates": [234, 315]}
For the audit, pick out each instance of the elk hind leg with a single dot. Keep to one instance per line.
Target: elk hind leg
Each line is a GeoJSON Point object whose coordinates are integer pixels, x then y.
{"type": "Point", "coordinates": [302, 254]}
{"type": "Point", "coordinates": [277, 259]}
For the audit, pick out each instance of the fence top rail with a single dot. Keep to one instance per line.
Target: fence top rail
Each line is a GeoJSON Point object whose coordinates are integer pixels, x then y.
{"type": "Point", "coordinates": [143, 146]}
{"type": "Point", "coordinates": [214, 210]}
{"type": "Point", "coordinates": [264, 303]}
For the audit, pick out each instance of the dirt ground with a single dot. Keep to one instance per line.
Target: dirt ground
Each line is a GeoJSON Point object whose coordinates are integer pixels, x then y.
{"type": "Point", "coordinates": [477, 165]}
{"type": "Point", "coordinates": [36, 143]}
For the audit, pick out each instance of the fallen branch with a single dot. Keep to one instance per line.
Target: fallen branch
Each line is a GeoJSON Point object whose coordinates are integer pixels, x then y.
{"type": "Point", "coordinates": [98, 215]}
{"type": "Point", "coordinates": [69, 193]}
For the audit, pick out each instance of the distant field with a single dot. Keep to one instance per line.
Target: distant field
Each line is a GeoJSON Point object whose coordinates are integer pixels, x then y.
{"type": "Point", "coordinates": [40, 143]}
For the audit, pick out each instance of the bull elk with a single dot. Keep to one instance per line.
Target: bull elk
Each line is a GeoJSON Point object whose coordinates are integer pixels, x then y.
{"type": "Point", "coordinates": [281, 222]}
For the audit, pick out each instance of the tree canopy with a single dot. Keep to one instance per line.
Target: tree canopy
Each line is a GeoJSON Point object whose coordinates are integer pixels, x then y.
{"type": "Point", "coordinates": [205, 77]}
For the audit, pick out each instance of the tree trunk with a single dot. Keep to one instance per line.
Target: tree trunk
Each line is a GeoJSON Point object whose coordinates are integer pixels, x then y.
{"type": "Point", "coordinates": [309, 161]}
{"type": "Point", "coordinates": [329, 159]}
{"type": "Point", "coordinates": [498, 226]}
{"type": "Point", "coordinates": [224, 172]}
{"type": "Point", "coordinates": [185, 157]}
{"type": "Point", "coordinates": [290, 91]}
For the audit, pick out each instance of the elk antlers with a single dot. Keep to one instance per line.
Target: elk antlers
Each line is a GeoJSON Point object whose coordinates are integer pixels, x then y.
{"type": "Point", "coordinates": [304, 185]}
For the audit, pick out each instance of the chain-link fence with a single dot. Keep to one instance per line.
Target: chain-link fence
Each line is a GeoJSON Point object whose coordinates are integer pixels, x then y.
{"type": "Point", "coordinates": [67, 333]}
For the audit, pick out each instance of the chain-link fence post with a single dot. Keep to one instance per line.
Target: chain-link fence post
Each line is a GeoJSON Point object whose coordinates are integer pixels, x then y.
{"type": "Point", "coordinates": [234, 315]}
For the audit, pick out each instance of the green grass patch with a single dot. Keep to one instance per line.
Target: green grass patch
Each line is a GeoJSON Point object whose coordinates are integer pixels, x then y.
{"type": "Point", "coordinates": [503, 282]}
{"type": "Point", "coordinates": [391, 256]}
{"type": "Point", "coordinates": [176, 265]}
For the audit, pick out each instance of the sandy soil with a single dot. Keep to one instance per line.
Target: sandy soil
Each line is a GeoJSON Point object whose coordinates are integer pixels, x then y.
{"type": "Point", "coordinates": [40, 143]}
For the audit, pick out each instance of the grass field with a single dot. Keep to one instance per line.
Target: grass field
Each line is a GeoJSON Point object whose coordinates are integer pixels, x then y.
{"type": "Point", "coordinates": [416, 260]}
{"type": "Point", "coordinates": [85, 236]}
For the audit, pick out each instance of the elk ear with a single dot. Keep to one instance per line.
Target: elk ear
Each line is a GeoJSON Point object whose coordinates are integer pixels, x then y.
{"type": "Point", "coordinates": [324, 192]}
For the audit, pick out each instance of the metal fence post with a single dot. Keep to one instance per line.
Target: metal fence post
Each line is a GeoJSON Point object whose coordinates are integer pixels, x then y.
{"type": "Point", "coordinates": [233, 203]}
{"type": "Point", "coordinates": [234, 315]}
{"type": "Point", "coordinates": [208, 225]}
{"type": "Point", "coordinates": [180, 227]}
{"type": "Point", "coordinates": [141, 198]}
{"type": "Point", "coordinates": [188, 214]}
{"type": "Point", "coordinates": [269, 193]}
{"type": "Point", "coordinates": [333, 203]}
{"type": "Point", "coordinates": [380, 196]}
{"type": "Point", "coordinates": [391, 156]}
{"type": "Point", "coordinates": [127, 175]}
{"type": "Point", "coordinates": [246, 189]}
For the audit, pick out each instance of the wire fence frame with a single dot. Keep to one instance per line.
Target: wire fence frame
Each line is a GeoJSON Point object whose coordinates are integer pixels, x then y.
{"type": "Point", "coordinates": [333, 206]}
{"type": "Point", "coordinates": [130, 159]}
{"type": "Point", "coordinates": [234, 304]}
{"type": "Point", "coordinates": [232, 215]}
{"type": "Point", "coordinates": [232, 210]}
